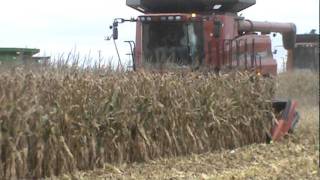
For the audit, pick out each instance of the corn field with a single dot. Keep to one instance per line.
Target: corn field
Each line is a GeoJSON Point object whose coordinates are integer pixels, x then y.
{"type": "Point", "coordinates": [58, 121]}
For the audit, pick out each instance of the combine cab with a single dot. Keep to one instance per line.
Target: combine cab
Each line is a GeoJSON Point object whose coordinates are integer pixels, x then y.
{"type": "Point", "coordinates": [208, 34]}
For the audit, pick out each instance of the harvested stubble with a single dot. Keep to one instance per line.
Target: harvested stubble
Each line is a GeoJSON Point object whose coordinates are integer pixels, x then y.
{"type": "Point", "coordinates": [55, 122]}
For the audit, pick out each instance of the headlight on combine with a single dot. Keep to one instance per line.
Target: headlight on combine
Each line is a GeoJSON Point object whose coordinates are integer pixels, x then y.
{"type": "Point", "coordinates": [142, 18]}
{"type": "Point", "coordinates": [163, 18]}
{"type": "Point", "coordinates": [170, 18]}
{"type": "Point", "coordinates": [178, 18]}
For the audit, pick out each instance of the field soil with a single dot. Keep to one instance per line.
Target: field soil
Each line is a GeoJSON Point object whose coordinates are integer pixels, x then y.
{"type": "Point", "coordinates": [296, 157]}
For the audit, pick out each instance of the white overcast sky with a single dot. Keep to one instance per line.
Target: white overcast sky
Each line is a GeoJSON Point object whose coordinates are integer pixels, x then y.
{"type": "Point", "coordinates": [57, 26]}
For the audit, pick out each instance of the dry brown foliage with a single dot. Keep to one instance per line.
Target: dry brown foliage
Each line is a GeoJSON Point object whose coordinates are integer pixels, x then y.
{"type": "Point", "coordinates": [295, 157]}
{"type": "Point", "coordinates": [302, 85]}
{"type": "Point", "coordinates": [56, 121]}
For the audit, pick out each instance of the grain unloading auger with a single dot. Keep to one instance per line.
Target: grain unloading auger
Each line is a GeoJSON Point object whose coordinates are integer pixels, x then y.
{"type": "Point", "coordinates": [209, 34]}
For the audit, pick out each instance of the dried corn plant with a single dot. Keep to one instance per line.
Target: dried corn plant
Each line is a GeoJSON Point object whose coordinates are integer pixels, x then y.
{"type": "Point", "coordinates": [57, 121]}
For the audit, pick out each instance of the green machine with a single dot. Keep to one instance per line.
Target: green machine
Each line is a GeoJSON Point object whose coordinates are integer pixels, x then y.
{"type": "Point", "coordinates": [17, 55]}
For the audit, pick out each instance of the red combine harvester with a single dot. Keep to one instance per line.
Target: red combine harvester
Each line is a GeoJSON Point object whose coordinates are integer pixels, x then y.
{"type": "Point", "coordinates": [210, 34]}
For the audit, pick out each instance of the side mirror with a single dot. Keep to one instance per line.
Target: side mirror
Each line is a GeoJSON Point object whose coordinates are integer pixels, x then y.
{"type": "Point", "coordinates": [115, 33]}
{"type": "Point", "coordinates": [275, 51]}
{"type": "Point", "coordinates": [217, 29]}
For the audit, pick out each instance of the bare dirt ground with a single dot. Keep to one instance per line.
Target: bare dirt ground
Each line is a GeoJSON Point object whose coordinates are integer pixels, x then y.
{"type": "Point", "coordinates": [296, 157]}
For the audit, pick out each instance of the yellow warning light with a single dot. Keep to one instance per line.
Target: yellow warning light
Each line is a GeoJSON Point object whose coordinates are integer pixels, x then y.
{"type": "Point", "coordinates": [193, 15]}
{"type": "Point", "coordinates": [259, 74]}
